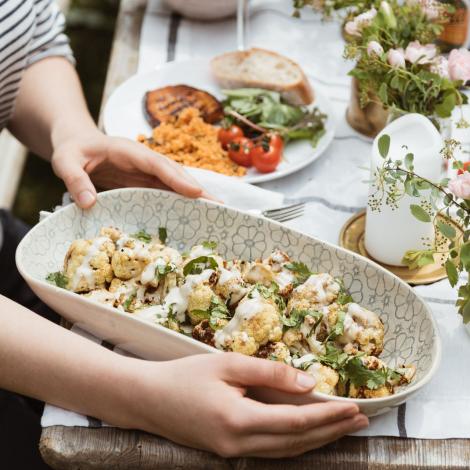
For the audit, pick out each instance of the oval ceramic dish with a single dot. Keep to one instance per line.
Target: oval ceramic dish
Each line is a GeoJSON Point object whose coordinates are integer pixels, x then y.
{"type": "Point", "coordinates": [411, 334]}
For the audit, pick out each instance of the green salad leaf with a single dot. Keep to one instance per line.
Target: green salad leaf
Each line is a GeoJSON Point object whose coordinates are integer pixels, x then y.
{"type": "Point", "coordinates": [267, 109]}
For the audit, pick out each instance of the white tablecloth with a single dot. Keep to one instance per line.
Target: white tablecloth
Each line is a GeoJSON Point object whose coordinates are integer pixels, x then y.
{"type": "Point", "coordinates": [333, 185]}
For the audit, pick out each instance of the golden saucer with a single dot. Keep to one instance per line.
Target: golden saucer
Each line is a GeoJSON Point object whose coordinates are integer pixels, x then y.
{"type": "Point", "coordinates": [352, 238]}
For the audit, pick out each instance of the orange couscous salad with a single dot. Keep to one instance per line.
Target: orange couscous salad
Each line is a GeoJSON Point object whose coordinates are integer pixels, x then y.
{"type": "Point", "coordinates": [188, 140]}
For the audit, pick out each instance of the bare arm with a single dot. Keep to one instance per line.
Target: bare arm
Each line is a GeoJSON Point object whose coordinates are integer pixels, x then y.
{"type": "Point", "coordinates": [47, 362]}
{"type": "Point", "coordinates": [52, 119]}
{"type": "Point", "coordinates": [199, 401]}
{"type": "Point", "coordinates": [50, 107]}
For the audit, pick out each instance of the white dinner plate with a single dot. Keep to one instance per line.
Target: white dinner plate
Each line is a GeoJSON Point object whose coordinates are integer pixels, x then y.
{"type": "Point", "coordinates": [124, 117]}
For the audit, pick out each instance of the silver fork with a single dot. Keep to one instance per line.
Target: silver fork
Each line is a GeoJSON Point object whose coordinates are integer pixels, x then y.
{"type": "Point", "coordinates": [285, 213]}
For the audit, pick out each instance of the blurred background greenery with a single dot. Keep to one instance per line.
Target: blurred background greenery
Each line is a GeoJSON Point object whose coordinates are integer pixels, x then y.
{"type": "Point", "coordinates": [90, 27]}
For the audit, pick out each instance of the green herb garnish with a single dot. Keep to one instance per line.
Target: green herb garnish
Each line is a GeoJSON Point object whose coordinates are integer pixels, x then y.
{"type": "Point", "coordinates": [127, 303]}
{"type": "Point", "coordinates": [59, 279]}
{"type": "Point", "coordinates": [162, 234]}
{"type": "Point", "coordinates": [143, 236]}
{"type": "Point", "coordinates": [300, 270]}
{"type": "Point", "coordinates": [217, 311]}
{"type": "Point", "coordinates": [163, 269]}
{"type": "Point", "coordinates": [338, 328]}
{"type": "Point", "coordinates": [197, 265]}
{"type": "Point", "coordinates": [344, 297]}
{"type": "Point", "coordinates": [297, 317]}
{"type": "Point", "coordinates": [271, 292]}
{"type": "Point", "coordinates": [209, 245]}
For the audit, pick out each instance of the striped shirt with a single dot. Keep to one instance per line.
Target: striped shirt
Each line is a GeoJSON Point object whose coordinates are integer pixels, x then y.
{"type": "Point", "coordinates": [30, 30]}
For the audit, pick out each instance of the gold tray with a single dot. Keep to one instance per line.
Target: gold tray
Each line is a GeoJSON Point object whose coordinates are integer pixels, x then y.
{"type": "Point", "coordinates": [352, 238]}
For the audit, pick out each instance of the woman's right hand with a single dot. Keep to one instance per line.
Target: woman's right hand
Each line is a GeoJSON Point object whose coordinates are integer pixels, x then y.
{"type": "Point", "coordinates": [200, 401]}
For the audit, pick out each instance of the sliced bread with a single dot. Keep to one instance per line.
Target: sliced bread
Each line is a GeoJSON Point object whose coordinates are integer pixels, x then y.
{"type": "Point", "coordinates": [260, 68]}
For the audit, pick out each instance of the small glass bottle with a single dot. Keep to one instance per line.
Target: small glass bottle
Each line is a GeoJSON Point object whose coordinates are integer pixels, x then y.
{"type": "Point", "coordinates": [456, 32]}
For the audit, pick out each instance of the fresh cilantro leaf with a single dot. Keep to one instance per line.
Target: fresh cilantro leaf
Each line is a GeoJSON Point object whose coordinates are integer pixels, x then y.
{"type": "Point", "coordinates": [197, 265]}
{"type": "Point", "coordinates": [209, 245]}
{"type": "Point", "coordinates": [163, 269]}
{"type": "Point", "coordinates": [333, 357]}
{"type": "Point", "coordinates": [300, 270]}
{"type": "Point", "coordinates": [338, 328]}
{"type": "Point", "coordinates": [162, 234]}
{"type": "Point", "coordinates": [344, 297]}
{"type": "Point", "coordinates": [58, 278]}
{"type": "Point", "coordinates": [129, 301]}
{"type": "Point", "coordinates": [361, 376]}
{"type": "Point", "coordinates": [200, 314]}
{"type": "Point", "coordinates": [271, 292]}
{"type": "Point", "coordinates": [297, 317]}
{"type": "Point", "coordinates": [143, 236]}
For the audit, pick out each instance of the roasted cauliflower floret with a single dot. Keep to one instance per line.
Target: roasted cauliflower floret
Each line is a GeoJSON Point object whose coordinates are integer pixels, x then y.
{"type": "Point", "coordinates": [364, 392]}
{"type": "Point", "coordinates": [130, 258]}
{"type": "Point", "coordinates": [317, 291]}
{"type": "Point", "coordinates": [230, 285]}
{"type": "Point", "coordinates": [277, 259]}
{"type": "Point", "coordinates": [128, 295]}
{"type": "Point", "coordinates": [259, 273]}
{"type": "Point", "coordinates": [326, 378]}
{"type": "Point", "coordinates": [200, 298]}
{"type": "Point", "coordinates": [87, 264]}
{"type": "Point", "coordinates": [256, 321]}
{"type": "Point", "coordinates": [275, 352]}
{"type": "Point", "coordinates": [111, 232]}
{"type": "Point", "coordinates": [362, 329]}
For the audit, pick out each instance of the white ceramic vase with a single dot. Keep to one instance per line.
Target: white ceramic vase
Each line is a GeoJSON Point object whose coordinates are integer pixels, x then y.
{"type": "Point", "coordinates": [391, 232]}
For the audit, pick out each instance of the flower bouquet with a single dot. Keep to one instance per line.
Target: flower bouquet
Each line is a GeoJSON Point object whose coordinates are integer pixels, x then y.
{"type": "Point", "coordinates": [398, 66]}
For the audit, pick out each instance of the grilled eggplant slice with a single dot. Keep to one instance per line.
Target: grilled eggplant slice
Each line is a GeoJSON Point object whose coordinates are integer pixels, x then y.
{"type": "Point", "coordinates": [165, 103]}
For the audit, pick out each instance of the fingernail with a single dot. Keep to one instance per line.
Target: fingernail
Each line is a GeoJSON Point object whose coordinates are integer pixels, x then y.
{"type": "Point", "coordinates": [306, 381]}
{"type": "Point", "coordinates": [86, 198]}
{"type": "Point", "coordinates": [353, 411]}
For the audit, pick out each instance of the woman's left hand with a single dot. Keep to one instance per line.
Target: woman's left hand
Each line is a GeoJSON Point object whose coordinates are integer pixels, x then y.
{"type": "Point", "coordinates": [113, 162]}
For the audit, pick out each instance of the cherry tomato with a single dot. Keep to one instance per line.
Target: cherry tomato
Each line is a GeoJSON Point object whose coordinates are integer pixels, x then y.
{"type": "Point", "coordinates": [464, 169]}
{"type": "Point", "coordinates": [227, 135]}
{"type": "Point", "coordinates": [239, 150]}
{"type": "Point", "coordinates": [276, 141]}
{"type": "Point", "coordinates": [266, 156]}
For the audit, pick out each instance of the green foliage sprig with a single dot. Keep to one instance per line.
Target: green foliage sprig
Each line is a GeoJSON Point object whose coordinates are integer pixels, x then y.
{"type": "Point", "coordinates": [396, 178]}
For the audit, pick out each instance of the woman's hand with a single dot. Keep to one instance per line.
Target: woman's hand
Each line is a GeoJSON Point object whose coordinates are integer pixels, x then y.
{"type": "Point", "coordinates": [201, 402]}
{"type": "Point", "coordinates": [110, 162]}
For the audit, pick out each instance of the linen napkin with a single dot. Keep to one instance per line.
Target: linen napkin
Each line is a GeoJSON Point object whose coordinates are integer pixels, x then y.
{"type": "Point", "coordinates": [332, 185]}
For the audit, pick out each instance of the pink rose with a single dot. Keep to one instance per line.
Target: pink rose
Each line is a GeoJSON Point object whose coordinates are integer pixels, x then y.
{"type": "Point", "coordinates": [355, 26]}
{"type": "Point", "coordinates": [374, 48]}
{"type": "Point", "coordinates": [420, 54]}
{"type": "Point", "coordinates": [351, 28]}
{"type": "Point", "coordinates": [396, 57]}
{"type": "Point", "coordinates": [440, 66]}
{"type": "Point", "coordinates": [459, 65]}
{"type": "Point", "coordinates": [460, 185]}
{"type": "Point", "coordinates": [430, 8]}
{"type": "Point", "coordinates": [365, 19]}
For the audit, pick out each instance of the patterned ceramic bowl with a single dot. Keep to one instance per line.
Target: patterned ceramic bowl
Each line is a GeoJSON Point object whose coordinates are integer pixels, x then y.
{"type": "Point", "coordinates": [411, 334]}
